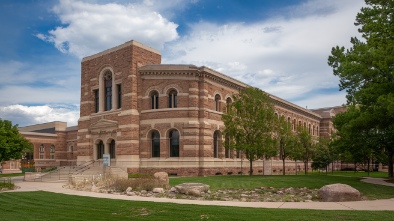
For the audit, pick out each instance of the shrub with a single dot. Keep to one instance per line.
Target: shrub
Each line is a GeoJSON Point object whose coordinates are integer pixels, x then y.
{"type": "Point", "coordinates": [7, 185]}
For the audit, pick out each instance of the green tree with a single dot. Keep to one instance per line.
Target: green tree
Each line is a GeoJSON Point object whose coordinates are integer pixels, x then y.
{"type": "Point", "coordinates": [12, 144]}
{"type": "Point", "coordinates": [324, 154]}
{"type": "Point", "coordinates": [285, 139]}
{"type": "Point", "coordinates": [250, 122]}
{"type": "Point", "coordinates": [305, 147]}
{"type": "Point", "coordinates": [366, 72]}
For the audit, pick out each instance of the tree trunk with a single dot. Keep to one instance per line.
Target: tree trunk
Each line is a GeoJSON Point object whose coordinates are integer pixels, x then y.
{"type": "Point", "coordinates": [369, 164]}
{"type": "Point", "coordinates": [284, 166]}
{"type": "Point", "coordinates": [306, 167]}
{"type": "Point", "coordinates": [390, 161]}
{"type": "Point", "coordinates": [251, 167]}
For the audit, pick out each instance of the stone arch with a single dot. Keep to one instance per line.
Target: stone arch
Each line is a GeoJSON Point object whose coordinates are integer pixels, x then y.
{"type": "Point", "coordinates": [153, 88]}
{"type": "Point", "coordinates": [170, 87]}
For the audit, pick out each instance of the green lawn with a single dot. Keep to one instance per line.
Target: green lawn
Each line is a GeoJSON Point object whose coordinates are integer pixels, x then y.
{"type": "Point", "coordinates": [51, 206]}
{"type": "Point", "coordinates": [313, 181]}
{"type": "Point", "coordinates": [11, 174]}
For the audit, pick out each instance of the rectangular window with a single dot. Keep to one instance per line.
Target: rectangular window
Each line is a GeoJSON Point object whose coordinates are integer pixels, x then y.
{"type": "Point", "coordinates": [119, 96]}
{"type": "Point", "coordinates": [41, 156]}
{"type": "Point", "coordinates": [96, 100]}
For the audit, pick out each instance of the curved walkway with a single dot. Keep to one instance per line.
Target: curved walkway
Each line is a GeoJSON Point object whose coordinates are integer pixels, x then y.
{"type": "Point", "coordinates": [57, 187]}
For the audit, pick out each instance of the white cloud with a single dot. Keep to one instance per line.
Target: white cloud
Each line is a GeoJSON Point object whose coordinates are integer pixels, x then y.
{"type": "Point", "coordinates": [89, 28]}
{"type": "Point", "coordinates": [28, 115]}
{"type": "Point", "coordinates": [293, 47]}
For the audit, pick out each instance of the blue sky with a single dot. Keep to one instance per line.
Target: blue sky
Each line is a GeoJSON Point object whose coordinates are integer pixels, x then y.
{"type": "Point", "coordinates": [279, 46]}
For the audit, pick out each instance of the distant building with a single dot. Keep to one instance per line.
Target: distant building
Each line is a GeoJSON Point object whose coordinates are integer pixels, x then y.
{"type": "Point", "coordinates": [157, 117]}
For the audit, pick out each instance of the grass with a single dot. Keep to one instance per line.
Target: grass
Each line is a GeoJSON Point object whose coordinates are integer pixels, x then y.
{"type": "Point", "coordinates": [312, 181]}
{"type": "Point", "coordinates": [52, 206]}
{"type": "Point", "coordinates": [10, 174]}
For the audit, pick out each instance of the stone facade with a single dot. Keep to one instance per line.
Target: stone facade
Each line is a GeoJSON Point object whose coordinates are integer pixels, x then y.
{"type": "Point", "coordinates": [154, 117]}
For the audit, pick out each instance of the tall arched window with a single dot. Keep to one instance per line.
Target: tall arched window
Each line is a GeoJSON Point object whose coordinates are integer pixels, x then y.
{"type": "Point", "coordinates": [217, 102]}
{"type": "Point", "coordinates": [108, 90]}
{"type": "Point", "coordinates": [174, 143]}
{"type": "Point", "coordinates": [155, 144]}
{"type": "Point", "coordinates": [216, 144]}
{"type": "Point", "coordinates": [154, 100]}
{"type": "Point", "coordinates": [228, 102]}
{"type": "Point", "coordinates": [294, 124]}
{"type": "Point", "coordinates": [227, 146]}
{"type": "Point", "coordinates": [172, 99]}
{"type": "Point", "coordinates": [100, 150]}
{"type": "Point", "coordinates": [112, 149]}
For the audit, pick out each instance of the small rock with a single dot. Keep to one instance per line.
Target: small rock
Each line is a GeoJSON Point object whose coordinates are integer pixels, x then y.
{"type": "Point", "coordinates": [158, 190]}
{"type": "Point", "coordinates": [173, 189]}
{"type": "Point", "coordinates": [129, 189]}
{"type": "Point", "coordinates": [144, 192]}
{"type": "Point", "coordinates": [130, 193]}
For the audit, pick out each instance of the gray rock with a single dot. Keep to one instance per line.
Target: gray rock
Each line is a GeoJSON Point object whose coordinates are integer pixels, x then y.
{"type": "Point", "coordinates": [193, 189]}
{"type": "Point", "coordinates": [129, 189]}
{"type": "Point", "coordinates": [144, 192]}
{"type": "Point", "coordinates": [158, 190]}
{"type": "Point", "coordinates": [163, 179]}
{"type": "Point", "coordinates": [338, 193]}
{"type": "Point", "coordinates": [130, 193]}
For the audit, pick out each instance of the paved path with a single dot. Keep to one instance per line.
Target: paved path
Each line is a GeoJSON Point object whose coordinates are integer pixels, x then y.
{"type": "Point", "coordinates": [57, 187]}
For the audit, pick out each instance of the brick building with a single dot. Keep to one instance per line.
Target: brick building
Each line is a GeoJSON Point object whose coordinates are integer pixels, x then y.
{"type": "Point", "coordinates": [153, 117]}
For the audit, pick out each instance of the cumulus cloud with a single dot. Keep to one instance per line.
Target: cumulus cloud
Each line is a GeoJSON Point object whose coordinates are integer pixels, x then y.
{"type": "Point", "coordinates": [28, 115]}
{"type": "Point", "coordinates": [293, 46]}
{"type": "Point", "coordinates": [89, 28]}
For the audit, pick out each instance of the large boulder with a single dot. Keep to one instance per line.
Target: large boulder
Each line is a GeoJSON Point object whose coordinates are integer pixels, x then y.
{"type": "Point", "coordinates": [338, 193]}
{"type": "Point", "coordinates": [193, 189]}
{"type": "Point", "coordinates": [162, 177]}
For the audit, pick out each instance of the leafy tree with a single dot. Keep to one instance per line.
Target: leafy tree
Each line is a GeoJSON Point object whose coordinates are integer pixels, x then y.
{"type": "Point", "coordinates": [286, 141]}
{"type": "Point", "coordinates": [366, 72]}
{"type": "Point", "coordinates": [305, 148]}
{"type": "Point", "coordinates": [324, 155]}
{"type": "Point", "coordinates": [12, 144]}
{"type": "Point", "coordinates": [249, 121]}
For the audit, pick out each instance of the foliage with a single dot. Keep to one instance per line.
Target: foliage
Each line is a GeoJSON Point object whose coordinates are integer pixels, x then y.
{"type": "Point", "coordinates": [250, 122]}
{"type": "Point", "coordinates": [68, 207]}
{"type": "Point", "coordinates": [286, 140]}
{"type": "Point", "coordinates": [366, 72]}
{"type": "Point", "coordinates": [12, 144]}
{"type": "Point", "coordinates": [304, 147]}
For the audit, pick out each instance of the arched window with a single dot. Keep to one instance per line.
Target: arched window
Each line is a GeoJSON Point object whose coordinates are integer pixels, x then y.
{"type": "Point", "coordinates": [108, 90]}
{"type": "Point", "coordinates": [215, 144]}
{"type": "Point", "coordinates": [112, 149]}
{"type": "Point", "coordinates": [294, 124]}
{"type": "Point", "coordinates": [309, 128]}
{"type": "Point", "coordinates": [172, 99]}
{"type": "Point", "coordinates": [100, 150]}
{"type": "Point", "coordinates": [227, 146]}
{"type": "Point", "coordinates": [155, 144]}
{"type": "Point", "coordinates": [154, 100]}
{"type": "Point", "coordinates": [313, 130]}
{"type": "Point", "coordinates": [317, 131]}
{"type": "Point", "coordinates": [217, 102]}
{"type": "Point", "coordinates": [52, 152]}
{"type": "Point", "coordinates": [174, 143]}
{"type": "Point", "coordinates": [228, 102]}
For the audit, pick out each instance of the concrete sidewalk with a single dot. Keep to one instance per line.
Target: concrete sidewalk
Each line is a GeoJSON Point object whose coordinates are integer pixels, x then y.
{"type": "Point", "coordinates": [57, 187]}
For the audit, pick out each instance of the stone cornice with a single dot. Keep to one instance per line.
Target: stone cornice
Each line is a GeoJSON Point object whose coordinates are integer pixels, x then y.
{"type": "Point", "coordinates": [207, 73]}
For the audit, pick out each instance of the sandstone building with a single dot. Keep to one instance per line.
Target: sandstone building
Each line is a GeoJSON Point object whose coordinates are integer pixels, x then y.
{"type": "Point", "coordinates": [153, 117]}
